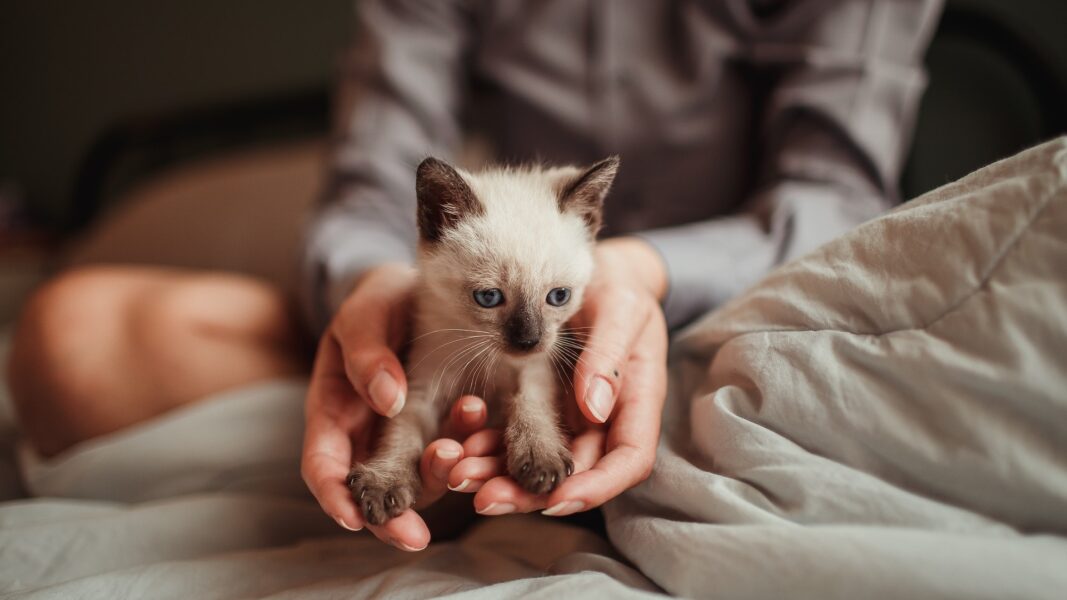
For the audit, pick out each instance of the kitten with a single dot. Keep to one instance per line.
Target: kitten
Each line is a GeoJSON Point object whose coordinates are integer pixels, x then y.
{"type": "Point", "coordinates": [504, 257]}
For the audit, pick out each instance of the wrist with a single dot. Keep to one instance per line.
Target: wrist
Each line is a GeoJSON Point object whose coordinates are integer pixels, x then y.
{"type": "Point", "coordinates": [382, 279]}
{"type": "Point", "coordinates": [639, 260]}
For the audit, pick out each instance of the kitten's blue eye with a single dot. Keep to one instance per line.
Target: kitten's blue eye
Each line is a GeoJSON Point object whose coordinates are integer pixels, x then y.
{"type": "Point", "coordinates": [559, 296]}
{"type": "Point", "coordinates": [489, 298]}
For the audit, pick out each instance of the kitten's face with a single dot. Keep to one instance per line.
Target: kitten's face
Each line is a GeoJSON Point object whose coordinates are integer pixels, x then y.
{"type": "Point", "coordinates": [509, 252]}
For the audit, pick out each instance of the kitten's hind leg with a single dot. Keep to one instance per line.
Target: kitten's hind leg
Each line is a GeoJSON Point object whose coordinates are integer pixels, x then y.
{"type": "Point", "coordinates": [389, 483]}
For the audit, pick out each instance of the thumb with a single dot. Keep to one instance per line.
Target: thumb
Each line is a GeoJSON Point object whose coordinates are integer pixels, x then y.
{"type": "Point", "coordinates": [367, 327]}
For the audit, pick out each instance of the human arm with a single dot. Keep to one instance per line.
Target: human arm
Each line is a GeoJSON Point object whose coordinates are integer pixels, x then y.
{"type": "Point", "coordinates": [846, 82]}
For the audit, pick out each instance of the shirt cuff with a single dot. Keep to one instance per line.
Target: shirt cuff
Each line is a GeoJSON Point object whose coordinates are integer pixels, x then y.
{"type": "Point", "coordinates": [708, 263]}
{"type": "Point", "coordinates": [332, 274]}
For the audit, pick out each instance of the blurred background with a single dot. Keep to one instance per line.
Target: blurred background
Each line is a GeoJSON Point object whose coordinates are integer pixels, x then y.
{"type": "Point", "coordinates": [155, 114]}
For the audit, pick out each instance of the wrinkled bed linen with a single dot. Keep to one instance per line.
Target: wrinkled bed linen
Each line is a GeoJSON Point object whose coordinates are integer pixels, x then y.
{"type": "Point", "coordinates": [883, 418]}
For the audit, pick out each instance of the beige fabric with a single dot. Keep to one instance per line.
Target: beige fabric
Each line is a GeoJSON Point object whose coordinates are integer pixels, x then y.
{"type": "Point", "coordinates": [240, 212]}
{"type": "Point", "coordinates": [886, 417]}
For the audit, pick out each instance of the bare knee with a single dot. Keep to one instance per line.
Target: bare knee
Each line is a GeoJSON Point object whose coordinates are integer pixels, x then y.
{"type": "Point", "coordinates": [65, 319]}
{"type": "Point", "coordinates": [216, 305]}
{"type": "Point", "coordinates": [64, 340]}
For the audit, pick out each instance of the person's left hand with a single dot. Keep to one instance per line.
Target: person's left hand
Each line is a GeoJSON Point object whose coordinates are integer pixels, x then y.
{"type": "Point", "coordinates": [620, 379]}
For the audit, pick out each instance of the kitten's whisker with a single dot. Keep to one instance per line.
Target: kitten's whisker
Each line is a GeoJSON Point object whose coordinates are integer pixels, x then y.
{"type": "Point", "coordinates": [553, 360]}
{"type": "Point", "coordinates": [489, 373]}
{"type": "Point", "coordinates": [465, 371]}
{"type": "Point", "coordinates": [571, 355]}
{"type": "Point", "coordinates": [570, 339]}
{"type": "Point", "coordinates": [476, 370]}
{"type": "Point", "coordinates": [448, 343]}
{"type": "Point", "coordinates": [461, 355]}
{"type": "Point", "coordinates": [443, 370]}
{"type": "Point", "coordinates": [448, 330]}
{"type": "Point", "coordinates": [574, 356]}
{"type": "Point", "coordinates": [593, 351]}
{"type": "Point", "coordinates": [483, 370]}
{"type": "Point", "coordinates": [566, 359]}
{"type": "Point", "coordinates": [476, 364]}
{"type": "Point", "coordinates": [458, 374]}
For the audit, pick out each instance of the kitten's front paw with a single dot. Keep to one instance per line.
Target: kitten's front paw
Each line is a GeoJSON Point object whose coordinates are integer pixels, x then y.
{"type": "Point", "coordinates": [540, 470]}
{"type": "Point", "coordinates": [382, 495]}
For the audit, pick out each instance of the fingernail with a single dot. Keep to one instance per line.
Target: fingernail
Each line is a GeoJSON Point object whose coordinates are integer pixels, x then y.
{"type": "Point", "coordinates": [564, 508]}
{"type": "Point", "coordinates": [404, 546]}
{"type": "Point", "coordinates": [447, 454]}
{"type": "Point", "coordinates": [440, 470]}
{"type": "Point", "coordinates": [471, 406]}
{"type": "Point", "coordinates": [599, 399]}
{"type": "Point", "coordinates": [341, 522]}
{"type": "Point", "coordinates": [462, 486]}
{"type": "Point", "coordinates": [385, 394]}
{"type": "Point", "coordinates": [494, 509]}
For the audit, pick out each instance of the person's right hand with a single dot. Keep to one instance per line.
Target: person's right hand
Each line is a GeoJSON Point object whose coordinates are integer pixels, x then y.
{"type": "Point", "coordinates": [358, 376]}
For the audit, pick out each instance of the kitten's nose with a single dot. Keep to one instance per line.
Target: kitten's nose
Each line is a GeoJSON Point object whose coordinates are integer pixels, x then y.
{"type": "Point", "coordinates": [523, 330]}
{"type": "Point", "coordinates": [525, 344]}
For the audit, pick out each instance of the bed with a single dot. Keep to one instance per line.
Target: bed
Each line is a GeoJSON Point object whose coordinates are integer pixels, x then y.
{"type": "Point", "coordinates": [885, 417]}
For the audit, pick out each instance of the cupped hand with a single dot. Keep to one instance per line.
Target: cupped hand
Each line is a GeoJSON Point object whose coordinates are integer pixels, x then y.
{"type": "Point", "coordinates": [620, 381]}
{"type": "Point", "coordinates": [357, 378]}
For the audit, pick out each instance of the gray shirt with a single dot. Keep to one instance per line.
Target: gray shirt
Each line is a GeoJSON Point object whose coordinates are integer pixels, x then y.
{"type": "Point", "coordinates": [750, 131]}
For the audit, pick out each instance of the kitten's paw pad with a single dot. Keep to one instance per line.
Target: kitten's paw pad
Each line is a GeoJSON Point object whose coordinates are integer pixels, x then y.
{"type": "Point", "coordinates": [540, 472]}
{"type": "Point", "coordinates": [381, 496]}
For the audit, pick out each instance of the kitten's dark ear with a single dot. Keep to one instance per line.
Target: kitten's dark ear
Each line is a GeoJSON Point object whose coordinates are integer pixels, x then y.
{"type": "Point", "coordinates": [444, 198]}
{"type": "Point", "coordinates": [584, 194]}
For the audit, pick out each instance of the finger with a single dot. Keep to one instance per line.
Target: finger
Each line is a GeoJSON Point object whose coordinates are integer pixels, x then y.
{"type": "Point", "coordinates": [587, 448]}
{"type": "Point", "coordinates": [407, 531]}
{"type": "Point", "coordinates": [599, 372]}
{"type": "Point", "coordinates": [332, 414]}
{"type": "Point", "coordinates": [468, 415]}
{"type": "Point", "coordinates": [632, 438]}
{"type": "Point", "coordinates": [365, 328]}
{"type": "Point", "coordinates": [619, 470]}
{"type": "Point", "coordinates": [437, 461]}
{"type": "Point", "coordinates": [471, 472]}
{"type": "Point", "coordinates": [486, 442]}
{"type": "Point", "coordinates": [325, 477]}
{"type": "Point", "coordinates": [502, 495]}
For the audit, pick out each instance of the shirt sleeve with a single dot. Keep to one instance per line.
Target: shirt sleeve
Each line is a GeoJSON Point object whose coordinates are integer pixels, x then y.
{"type": "Point", "coordinates": [398, 102]}
{"type": "Point", "coordinates": [837, 123]}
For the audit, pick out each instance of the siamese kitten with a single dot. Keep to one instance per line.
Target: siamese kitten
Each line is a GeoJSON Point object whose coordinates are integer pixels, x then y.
{"type": "Point", "coordinates": [504, 257]}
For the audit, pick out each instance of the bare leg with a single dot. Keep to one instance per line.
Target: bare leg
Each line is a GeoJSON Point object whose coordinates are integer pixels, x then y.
{"type": "Point", "coordinates": [99, 349]}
